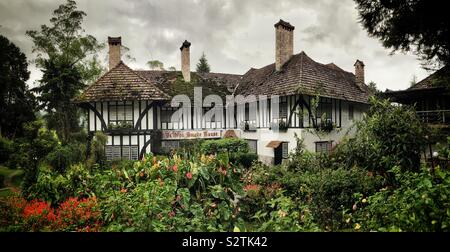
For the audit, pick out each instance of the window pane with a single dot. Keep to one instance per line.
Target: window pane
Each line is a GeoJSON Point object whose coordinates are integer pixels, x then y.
{"type": "Point", "coordinates": [129, 113]}
{"type": "Point", "coordinates": [112, 113]}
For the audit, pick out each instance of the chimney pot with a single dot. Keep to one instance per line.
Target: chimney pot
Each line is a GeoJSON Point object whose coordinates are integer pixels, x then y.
{"type": "Point", "coordinates": [284, 43]}
{"type": "Point", "coordinates": [186, 61]}
{"type": "Point", "coordinates": [114, 51]}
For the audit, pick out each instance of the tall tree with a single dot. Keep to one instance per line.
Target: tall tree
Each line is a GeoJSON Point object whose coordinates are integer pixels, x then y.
{"type": "Point", "coordinates": [17, 103]}
{"type": "Point", "coordinates": [420, 26]}
{"type": "Point", "coordinates": [202, 65]}
{"type": "Point", "coordinates": [66, 56]}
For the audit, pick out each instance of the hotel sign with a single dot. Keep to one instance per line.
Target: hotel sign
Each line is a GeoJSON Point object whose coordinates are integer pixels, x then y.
{"type": "Point", "coordinates": [190, 134]}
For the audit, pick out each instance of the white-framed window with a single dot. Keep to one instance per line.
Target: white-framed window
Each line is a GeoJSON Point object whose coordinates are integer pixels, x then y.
{"type": "Point", "coordinates": [324, 147]}
{"type": "Point", "coordinates": [118, 152]}
{"type": "Point", "coordinates": [120, 113]}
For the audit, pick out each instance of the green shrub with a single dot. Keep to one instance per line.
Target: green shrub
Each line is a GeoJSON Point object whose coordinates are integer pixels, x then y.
{"type": "Point", "coordinates": [330, 192]}
{"type": "Point", "coordinates": [97, 153]}
{"type": "Point", "coordinates": [388, 136]}
{"type": "Point", "coordinates": [285, 215]}
{"type": "Point", "coordinates": [244, 159]}
{"type": "Point", "coordinates": [63, 156]}
{"type": "Point", "coordinates": [419, 204]}
{"type": "Point", "coordinates": [228, 145]}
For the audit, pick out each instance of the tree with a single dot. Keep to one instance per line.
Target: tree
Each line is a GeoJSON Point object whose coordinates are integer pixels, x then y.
{"type": "Point", "coordinates": [17, 103]}
{"type": "Point", "coordinates": [155, 64]}
{"type": "Point", "coordinates": [66, 56]}
{"type": "Point", "coordinates": [172, 68]}
{"type": "Point", "coordinates": [202, 65]}
{"type": "Point", "coordinates": [373, 90]}
{"type": "Point", "coordinates": [409, 25]}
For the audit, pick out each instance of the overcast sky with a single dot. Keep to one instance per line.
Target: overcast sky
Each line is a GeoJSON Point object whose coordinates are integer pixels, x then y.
{"type": "Point", "coordinates": [234, 34]}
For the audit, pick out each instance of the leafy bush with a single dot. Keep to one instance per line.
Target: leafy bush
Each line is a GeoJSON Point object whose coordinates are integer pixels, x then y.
{"type": "Point", "coordinates": [388, 136]}
{"type": "Point", "coordinates": [330, 192]}
{"type": "Point", "coordinates": [37, 215]}
{"type": "Point", "coordinates": [285, 215]}
{"type": "Point", "coordinates": [97, 153]}
{"type": "Point", "coordinates": [420, 204]}
{"type": "Point", "coordinates": [175, 194]}
{"type": "Point", "coordinates": [244, 159]}
{"type": "Point", "coordinates": [63, 156]}
{"type": "Point", "coordinates": [228, 145]}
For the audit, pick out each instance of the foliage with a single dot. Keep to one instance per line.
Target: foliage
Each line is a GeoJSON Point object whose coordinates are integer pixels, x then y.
{"type": "Point", "coordinates": [419, 204]}
{"type": "Point", "coordinates": [387, 136]}
{"type": "Point", "coordinates": [37, 142]}
{"type": "Point", "coordinates": [244, 159]}
{"type": "Point", "coordinates": [6, 149]}
{"type": "Point", "coordinates": [63, 156]}
{"type": "Point", "coordinates": [17, 103]}
{"type": "Point", "coordinates": [173, 195]}
{"type": "Point", "coordinates": [406, 25]}
{"type": "Point", "coordinates": [285, 215]}
{"type": "Point", "coordinates": [63, 54]}
{"type": "Point", "coordinates": [155, 64]}
{"type": "Point", "coordinates": [202, 65]}
{"type": "Point", "coordinates": [97, 155]}
{"type": "Point", "coordinates": [74, 214]}
{"type": "Point", "coordinates": [229, 145]}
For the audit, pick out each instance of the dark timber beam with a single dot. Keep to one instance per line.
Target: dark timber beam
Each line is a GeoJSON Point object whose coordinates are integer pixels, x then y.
{"type": "Point", "coordinates": [305, 105]}
{"type": "Point", "coordinates": [141, 115]}
{"type": "Point", "coordinates": [89, 106]}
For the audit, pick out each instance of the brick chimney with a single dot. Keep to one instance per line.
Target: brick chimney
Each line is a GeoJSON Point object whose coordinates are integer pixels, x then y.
{"type": "Point", "coordinates": [359, 72]}
{"type": "Point", "coordinates": [284, 43]}
{"type": "Point", "coordinates": [186, 61]}
{"type": "Point", "coordinates": [114, 51]}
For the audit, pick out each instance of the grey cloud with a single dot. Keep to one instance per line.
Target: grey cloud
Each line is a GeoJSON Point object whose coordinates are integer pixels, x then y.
{"type": "Point", "coordinates": [234, 34]}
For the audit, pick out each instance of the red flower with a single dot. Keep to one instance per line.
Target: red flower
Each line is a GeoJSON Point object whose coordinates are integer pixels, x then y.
{"type": "Point", "coordinates": [172, 214]}
{"type": "Point", "coordinates": [234, 170]}
{"type": "Point", "coordinates": [175, 168]}
{"type": "Point", "coordinates": [189, 175]}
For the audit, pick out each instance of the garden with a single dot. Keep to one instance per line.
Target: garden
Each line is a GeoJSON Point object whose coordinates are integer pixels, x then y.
{"type": "Point", "coordinates": [374, 181]}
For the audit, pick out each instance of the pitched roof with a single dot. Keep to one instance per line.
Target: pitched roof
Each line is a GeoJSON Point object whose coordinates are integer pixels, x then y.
{"type": "Point", "coordinates": [440, 78]}
{"type": "Point", "coordinates": [303, 73]}
{"type": "Point", "coordinates": [171, 82]}
{"type": "Point", "coordinates": [119, 84]}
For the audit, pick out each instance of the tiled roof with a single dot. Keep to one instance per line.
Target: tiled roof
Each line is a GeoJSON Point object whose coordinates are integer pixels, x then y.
{"type": "Point", "coordinates": [302, 74]}
{"type": "Point", "coordinates": [119, 84]}
{"type": "Point", "coordinates": [171, 82]}
{"type": "Point", "coordinates": [123, 83]}
{"type": "Point", "coordinates": [440, 78]}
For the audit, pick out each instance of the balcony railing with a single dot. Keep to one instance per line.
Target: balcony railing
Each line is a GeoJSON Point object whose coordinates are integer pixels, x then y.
{"type": "Point", "coordinates": [435, 116]}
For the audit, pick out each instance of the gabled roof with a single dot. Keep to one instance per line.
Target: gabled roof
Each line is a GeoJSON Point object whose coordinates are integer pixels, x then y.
{"type": "Point", "coordinates": [120, 84]}
{"type": "Point", "coordinates": [303, 74]}
{"type": "Point", "coordinates": [440, 78]}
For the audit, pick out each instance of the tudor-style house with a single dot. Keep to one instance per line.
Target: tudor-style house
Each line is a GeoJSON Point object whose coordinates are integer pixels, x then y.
{"type": "Point", "coordinates": [133, 107]}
